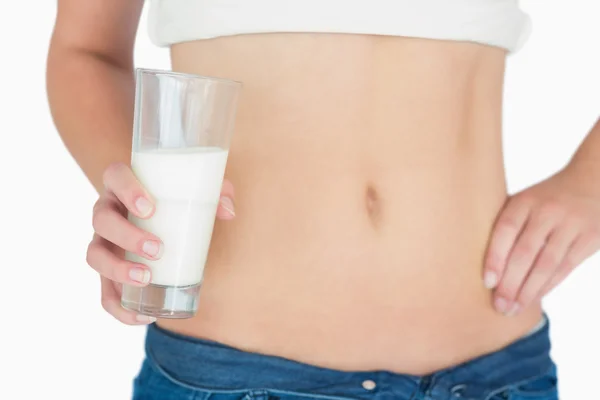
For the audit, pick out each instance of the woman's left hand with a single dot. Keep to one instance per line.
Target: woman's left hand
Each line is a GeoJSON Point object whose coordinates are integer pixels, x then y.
{"type": "Point", "coordinates": [540, 236]}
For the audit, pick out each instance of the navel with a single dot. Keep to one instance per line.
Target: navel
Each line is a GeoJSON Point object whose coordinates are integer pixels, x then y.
{"type": "Point", "coordinates": [373, 205]}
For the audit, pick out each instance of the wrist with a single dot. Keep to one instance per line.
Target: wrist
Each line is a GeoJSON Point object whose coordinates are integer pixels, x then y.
{"type": "Point", "coordinates": [583, 175]}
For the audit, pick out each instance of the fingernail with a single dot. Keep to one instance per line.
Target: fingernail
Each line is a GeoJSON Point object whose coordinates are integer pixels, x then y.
{"type": "Point", "coordinates": [143, 206]}
{"type": "Point", "coordinates": [152, 248]}
{"type": "Point", "coordinates": [501, 305]}
{"type": "Point", "coordinates": [490, 280]}
{"type": "Point", "coordinates": [227, 204]}
{"type": "Point", "coordinates": [514, 310]}
{"type": "Point", "coordinates": [145, 318]}
{"type": "Point", "coordinates": [139, 275]}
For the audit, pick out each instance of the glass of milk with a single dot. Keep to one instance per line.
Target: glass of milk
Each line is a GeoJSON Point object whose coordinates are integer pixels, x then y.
{"type": "Point", "coordinates": [182, 130]}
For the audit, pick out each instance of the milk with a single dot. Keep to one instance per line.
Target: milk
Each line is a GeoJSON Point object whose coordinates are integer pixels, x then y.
{"type": "Point", "coordinates": [185, 184]}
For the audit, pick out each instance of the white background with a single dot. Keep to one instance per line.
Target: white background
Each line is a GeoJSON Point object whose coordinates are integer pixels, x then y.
{"type": "Point", "coordinates": [55, 339]}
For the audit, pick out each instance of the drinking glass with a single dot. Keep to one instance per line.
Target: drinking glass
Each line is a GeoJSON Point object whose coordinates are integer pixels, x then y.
{"type": "Point", "coordinates": [182, 130]}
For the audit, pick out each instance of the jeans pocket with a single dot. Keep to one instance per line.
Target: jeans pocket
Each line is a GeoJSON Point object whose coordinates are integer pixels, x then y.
{"type": "Point", "coordinates": [151, 385]}
{"type": "Point", "coordinates": [153, 379]}
{"type": "Point", "coordinates": [275, 394]}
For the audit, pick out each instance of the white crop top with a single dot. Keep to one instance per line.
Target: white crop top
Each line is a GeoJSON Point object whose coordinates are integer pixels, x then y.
{"type": "Point", "coordinates": [498, 23]}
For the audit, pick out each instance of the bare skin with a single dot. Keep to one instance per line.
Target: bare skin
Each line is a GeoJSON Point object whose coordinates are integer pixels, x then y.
{"type": "Point", "coordinates": [370, 198]}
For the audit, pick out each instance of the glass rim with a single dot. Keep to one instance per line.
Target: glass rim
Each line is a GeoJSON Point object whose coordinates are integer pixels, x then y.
{"type": "Point", "coordinates": [163, 72]}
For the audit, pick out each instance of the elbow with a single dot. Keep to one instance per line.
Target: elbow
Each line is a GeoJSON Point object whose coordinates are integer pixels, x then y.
{"type": "Point", "coordinates": [73, 74]}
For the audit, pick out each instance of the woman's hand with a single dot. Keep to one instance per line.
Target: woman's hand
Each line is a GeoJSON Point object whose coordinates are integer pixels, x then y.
{"type": "Point", "coordinates": [540, 236]}
{"type": "Point", "coordinates": [114, 235]}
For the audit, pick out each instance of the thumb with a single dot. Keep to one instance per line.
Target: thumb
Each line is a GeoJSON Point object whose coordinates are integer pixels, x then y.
{"type": "Point", "coordinates": [507, 228]}
{"type": "Point", "coordinates": [226, 209]}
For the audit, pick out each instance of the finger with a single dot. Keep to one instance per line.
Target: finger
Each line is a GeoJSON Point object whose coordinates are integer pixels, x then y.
{"type": "Point", "coordinates": [108, 199]}
{"type": "Point", "coordinates": [547, 264]}
{"type": "Point", "coordinates": [120, 180]}
{"type": "Point", "coordinates": [111, 225]}
{"type": "Point", "coordinates": [111, 302]}
{"type": "Point", "coordinates": [581, 249]}
{"type": "Point", "coordinates": [106, 263]}
{"type": "Point", "coordinates": [227, 189]}
{"type": "Point", "coordinates": [506, 230]}
{"type": "Point", "coordinates": [520, 261]}
{"type": "Point", "coordinates": [226, 209]}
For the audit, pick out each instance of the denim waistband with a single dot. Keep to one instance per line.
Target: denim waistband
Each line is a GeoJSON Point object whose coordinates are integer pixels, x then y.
{"type": "Point", "coordinates": [214, 367]}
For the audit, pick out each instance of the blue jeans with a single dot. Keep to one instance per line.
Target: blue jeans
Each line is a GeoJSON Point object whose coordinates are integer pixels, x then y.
{"type": "Point", "coordinates": [179, 367]}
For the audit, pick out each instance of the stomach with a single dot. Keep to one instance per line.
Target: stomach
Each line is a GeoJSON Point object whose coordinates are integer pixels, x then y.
{"type": "Point", "coordinates": [368, 173]}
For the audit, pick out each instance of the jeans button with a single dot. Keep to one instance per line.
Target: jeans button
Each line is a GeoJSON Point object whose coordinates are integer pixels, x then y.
{"type": "Point", "coordinates": [369, 385]}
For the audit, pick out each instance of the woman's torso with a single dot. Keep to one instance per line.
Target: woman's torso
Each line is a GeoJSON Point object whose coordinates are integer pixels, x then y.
{"type": "Point", "coordinates": [368, 173]}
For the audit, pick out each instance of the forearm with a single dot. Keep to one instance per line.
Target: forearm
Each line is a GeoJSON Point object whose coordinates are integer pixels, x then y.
{"type": "Point", "coordinates": [585, 164]}
{"type": "Point", "coordinates": [91, 100]}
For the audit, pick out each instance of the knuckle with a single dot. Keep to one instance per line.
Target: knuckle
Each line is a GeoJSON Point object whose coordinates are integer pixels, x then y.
{"type": "Point", "coordinates": [117, 271]}
{"type": "Point", "coordinates": [511, 295]}
{"type": "Point", "coordinates": [227, 186]}
{"type": "Point", "coordinates": [527, 296]}
{"type": "Point", "coordinates": [495, 259]}
{"type": "Point", "coordinates": [506, 290]}
{"type": "Point", "coordinates": [97, 205]}
{"type": "Point", "coordinates": [110, 172]}
{"type": "Point", "coordinates": [507, 293]}
{"type": "Point", "coordinates": [105, 302]}
{"type": "Point", "coordinates": [96, 219]}
{"type": "Point", "coordinates": [507, 222]}
{"type": "Point", "coordinates": [119, 266]}
{"type": "Point", "coordinates": [586, 241]}
{"type": "Point", "coordinates": [536, 242]}
{"type": "Point", "coordinates": [90, 254]}
{"type": "Point", "coordinates": [551, 209]}
{"type": "Point", "coordinates": [548, 260]}
{"type": "Point", "coordinates": [113, 170]}
{"type": "Point", "coordinates": [593, 235]}
{"type": "Point", "coordinates": [594, 228]}
{"type": "Point", "coordinates": [576, 218]}
{"type": "Point", "coordinates": [568, 263]}
{"type": "Point", "coordinates": [525, 248]}
{"type": "Point", "coordinates": [111, 271]}
{"type": "Point", "coordinates": [574, 222]}
{"type": "Point", "coordinates": [523, 199]}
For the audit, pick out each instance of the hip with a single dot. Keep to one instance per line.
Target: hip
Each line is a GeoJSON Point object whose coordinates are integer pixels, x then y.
{"type": "Point", "coordinates": [180, 367]}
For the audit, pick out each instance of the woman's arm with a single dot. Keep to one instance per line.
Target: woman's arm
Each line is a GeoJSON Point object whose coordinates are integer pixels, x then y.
{"type": "Point", "coordinates": [586, 161]}
{"type": "Point", "coordinates": [90, 81]}
{"type": "Point", "coordinates": [91, 93]}
{"type": "Point", "coordinates": [545, 231]}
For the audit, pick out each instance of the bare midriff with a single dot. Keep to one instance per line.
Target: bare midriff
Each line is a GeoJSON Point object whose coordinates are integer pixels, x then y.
{"type": "Point", "coordinates": [368, 174]}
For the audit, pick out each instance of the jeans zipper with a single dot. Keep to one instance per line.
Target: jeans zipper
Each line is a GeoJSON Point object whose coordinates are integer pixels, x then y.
{"type": "Point", "coordinates": [423, 388]}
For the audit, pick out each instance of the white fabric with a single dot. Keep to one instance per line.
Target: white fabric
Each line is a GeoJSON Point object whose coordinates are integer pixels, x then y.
{"type": "Point", "coordinates": [498, 23]}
